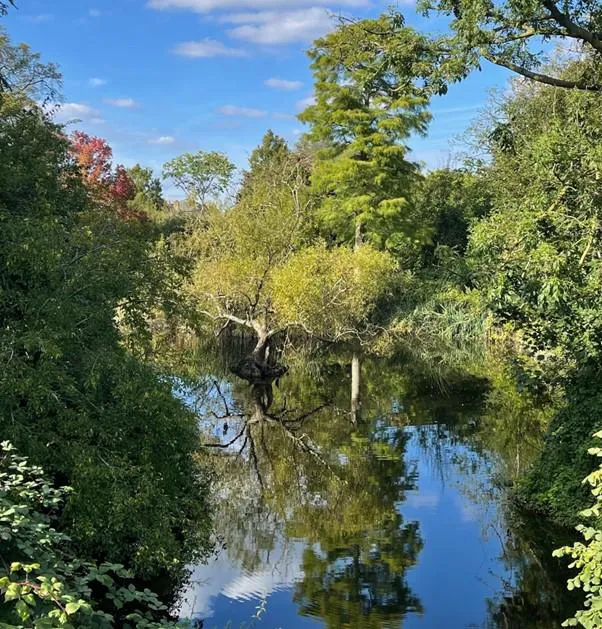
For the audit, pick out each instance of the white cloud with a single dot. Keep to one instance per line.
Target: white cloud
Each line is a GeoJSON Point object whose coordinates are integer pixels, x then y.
{"type": "Point", "coordinates": [283, 84]}
{"type": "Point", "coordinates": [207, 48]}
{"type": "Point", "coordinates": [305, 102]}
{"type": "Point", "coordinates": [277, 115]}
{"type": "Point", "coordinates": [461, 109]}
{"type": "Point", "coordinates": [94, 13]}
{"type": "Point", "coordinates": [281, 27]}
{"type": "Point", "coordinates": [127, 103]}
{"type": "Point", "coordinates": [245, 112]}
{"type": "Point", "coordinates": [38, 19]}
{"type": "Point", "coordinates": [163, 139]}
{"type": "Point", "coordinates": [67, 112]}
{"type": "Point", "coordinates": [206, 6]}
{"type": "Point", "coordinates": [95, 82]}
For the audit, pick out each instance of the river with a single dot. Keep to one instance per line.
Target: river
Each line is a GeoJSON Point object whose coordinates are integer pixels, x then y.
{"type": "Point", "coordinates": [393, 515]}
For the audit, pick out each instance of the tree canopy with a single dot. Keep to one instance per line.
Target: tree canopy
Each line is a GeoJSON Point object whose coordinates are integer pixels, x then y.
{"type": "Point", "coordinates": [360, 123]}
{"type": "Point", "coordinates": [203, 176]}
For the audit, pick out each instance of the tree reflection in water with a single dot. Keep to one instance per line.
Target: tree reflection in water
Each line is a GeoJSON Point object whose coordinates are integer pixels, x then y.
{"type": "Point", "coordinates": [305, 493]}
{"type": "Point", "coordinates": [318, 478]}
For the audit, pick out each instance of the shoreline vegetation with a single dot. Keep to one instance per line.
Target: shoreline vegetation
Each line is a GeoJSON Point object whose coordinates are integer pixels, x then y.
{"type": "Point", "coordinates": [487, 273]}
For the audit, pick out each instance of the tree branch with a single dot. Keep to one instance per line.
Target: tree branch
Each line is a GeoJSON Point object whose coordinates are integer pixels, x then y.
{"type": "Point", "coordinates": [572, 27]}
{"type": "Point", "coordinates": [539, 77]}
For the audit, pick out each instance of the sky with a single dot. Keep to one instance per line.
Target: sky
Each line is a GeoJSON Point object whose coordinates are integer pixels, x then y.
{"type": "Point", "coordinates": [157, 78]}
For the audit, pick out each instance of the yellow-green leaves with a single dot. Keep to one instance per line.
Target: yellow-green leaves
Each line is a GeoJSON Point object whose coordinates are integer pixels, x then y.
{"type": "Point", "coordinates": [331, 292]}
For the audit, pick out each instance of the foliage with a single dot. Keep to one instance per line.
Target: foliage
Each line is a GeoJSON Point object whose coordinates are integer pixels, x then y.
{"type": "Point", "coordinates": [71, 395]}
{"type": "Point", "coordinates": [202, 176]}
{"type": "Point", "coordinates": [272, 154]}
{"type": "Point", "coordinates": [331, 292]}
{"type": "Point", "coordinates": [110, 186]}
{"type": "Point", "coordinates": [254, 266]}
{"type": "Point", "coordinates": [22, 74]}
{"type": "Point", "coordinates": [148, 191]}
{"type": "Point", "coordinates": [535, 256]}
{"type": "Point", "coordinates": [517, 34]}
{"type": "Point", "coordinates": [587, 556]}
{"type": "Point", "coordinates": [361, 120]}
{"type": "Point", "coordinates": [451, 200]}
{"type": "Point", "coordinates": [43, 585]}
{"type": "Point", "coordinates": [553, 486]}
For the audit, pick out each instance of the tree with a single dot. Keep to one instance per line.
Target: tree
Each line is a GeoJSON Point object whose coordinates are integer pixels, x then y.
{"type": "Point", "coordinates": [73, 398]}
{"type": "Point", "coordinates": [110, 186]}
{"type": "Point", "coordinates": [515, 35]}
{"type": "Point", "coordinates": [149, 193]}
{"type": "Point", "coordinates": [253, 268]}
{"type": "Point", "coordinates": [272, 151]}
{"type": "Point", "coordinates": [450, 201]}
{"type": "Point", "coordinates": [4, 6]}
{"type": "Point", "coordinates": [201, 175]}
{"type": "Point", "coordinates": [363, 115]}
{"type": "Point", "coordinates": [22, 74]}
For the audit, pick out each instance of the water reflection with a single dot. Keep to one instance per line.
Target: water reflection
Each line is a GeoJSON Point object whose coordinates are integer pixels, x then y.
{"type": "Point", "coordinates": [391, 517]}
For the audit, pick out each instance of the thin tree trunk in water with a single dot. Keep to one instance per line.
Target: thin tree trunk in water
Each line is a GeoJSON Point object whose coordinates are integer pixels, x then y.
{"type": "Point", "coordinates": [358, 236]}
{"type": "Point", "coordinates": [356, 401]}
{"type": "Point", "coordinates": [355, 362]}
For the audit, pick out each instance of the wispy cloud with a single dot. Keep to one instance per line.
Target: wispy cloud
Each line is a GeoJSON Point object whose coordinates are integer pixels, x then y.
{"type": "Point", "coordinates": [244, 112]}
{"type": "Point", "coordinates": [38, 19]}
{"type": "Point", "coordinates": [282, 116]}
{"type": "Point", "coordinates": [283, 84]}
{"type": "Point", "coordinates": [94, 12]}
{"type": "Point", "coordinates": [305, 102]}
{"type": "Point", "coordinates": [96, 82]}
{"type": "Point", "coordinates": [280, 27]}
{"type": "Point", "coordinates": [206, 6]}
{"type": "Point", "coordinates": [457, 110]}
{"type": "Point", "coordinates": [126, 103]}
{"type": "Point", "coordinates": [163, 139]}
{"type": "Point", "coordinates": [68, 112]}
{"type": "Point", "coordinates": [207, 48]}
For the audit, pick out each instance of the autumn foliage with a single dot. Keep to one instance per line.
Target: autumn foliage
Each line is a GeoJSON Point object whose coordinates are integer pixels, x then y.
{"type": "Point", "coordinates": [111, 186]}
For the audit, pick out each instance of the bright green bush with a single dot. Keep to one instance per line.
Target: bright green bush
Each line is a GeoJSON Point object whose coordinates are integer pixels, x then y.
{"type": "Point", "coordinates": [587, 557]}
{"type": "Point", "coordinates": [42, 583]}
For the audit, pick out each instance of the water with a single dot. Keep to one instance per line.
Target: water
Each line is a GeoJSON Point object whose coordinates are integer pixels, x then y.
{"type": "Point", "coordinates": [399, 521]}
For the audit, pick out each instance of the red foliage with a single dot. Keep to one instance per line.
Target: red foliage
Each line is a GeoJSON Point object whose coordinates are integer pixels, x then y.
{"type": "Point", "coordinates": [122, 187]}
{"type": "Point", "coordinates": [93, 156]}
{"type": "Point", "coordinates": [113, 188]}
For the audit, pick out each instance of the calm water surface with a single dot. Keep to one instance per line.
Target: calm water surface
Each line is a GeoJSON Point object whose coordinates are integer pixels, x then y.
{"type": "Point", "coordinates": [398, 520]}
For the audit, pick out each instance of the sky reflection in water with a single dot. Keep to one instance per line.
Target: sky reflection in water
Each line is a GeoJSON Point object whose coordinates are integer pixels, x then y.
{"type": "Point", "coordinates": [440, 553]}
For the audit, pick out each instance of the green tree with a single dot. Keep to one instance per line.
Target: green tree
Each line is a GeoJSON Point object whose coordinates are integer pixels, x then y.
{"type": "Point", "coordinates": [253, 267]}
{"type": "Point", "coordinates": [22, 72]}
{"type": "Point", "coordinates": [534, 260]}
{"type": "Point", "coordinates": [362, 118]}
{"type": "Point", "coordinates": [72, 396]}
{"type": "Point", "coordinates": [149, 193]}
{"type": "Point", "coordinates": [451, 201]}
{"type": "Point", "coordinates": [517, 34]}
{"type": "Point", "coordinates": [202, 176]}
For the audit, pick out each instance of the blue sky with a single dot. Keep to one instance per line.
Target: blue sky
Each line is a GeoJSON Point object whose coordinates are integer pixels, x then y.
{"type": "Point", "coordinates": [160, 77]}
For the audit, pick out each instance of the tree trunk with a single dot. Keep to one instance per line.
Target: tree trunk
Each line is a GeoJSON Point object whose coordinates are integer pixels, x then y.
{"type": "Point", "coordinates": [261, 353]}
{"type": "Point", "coordinates": [358, 235]}
{"type": "Point", "coordinates": [356, 401]}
